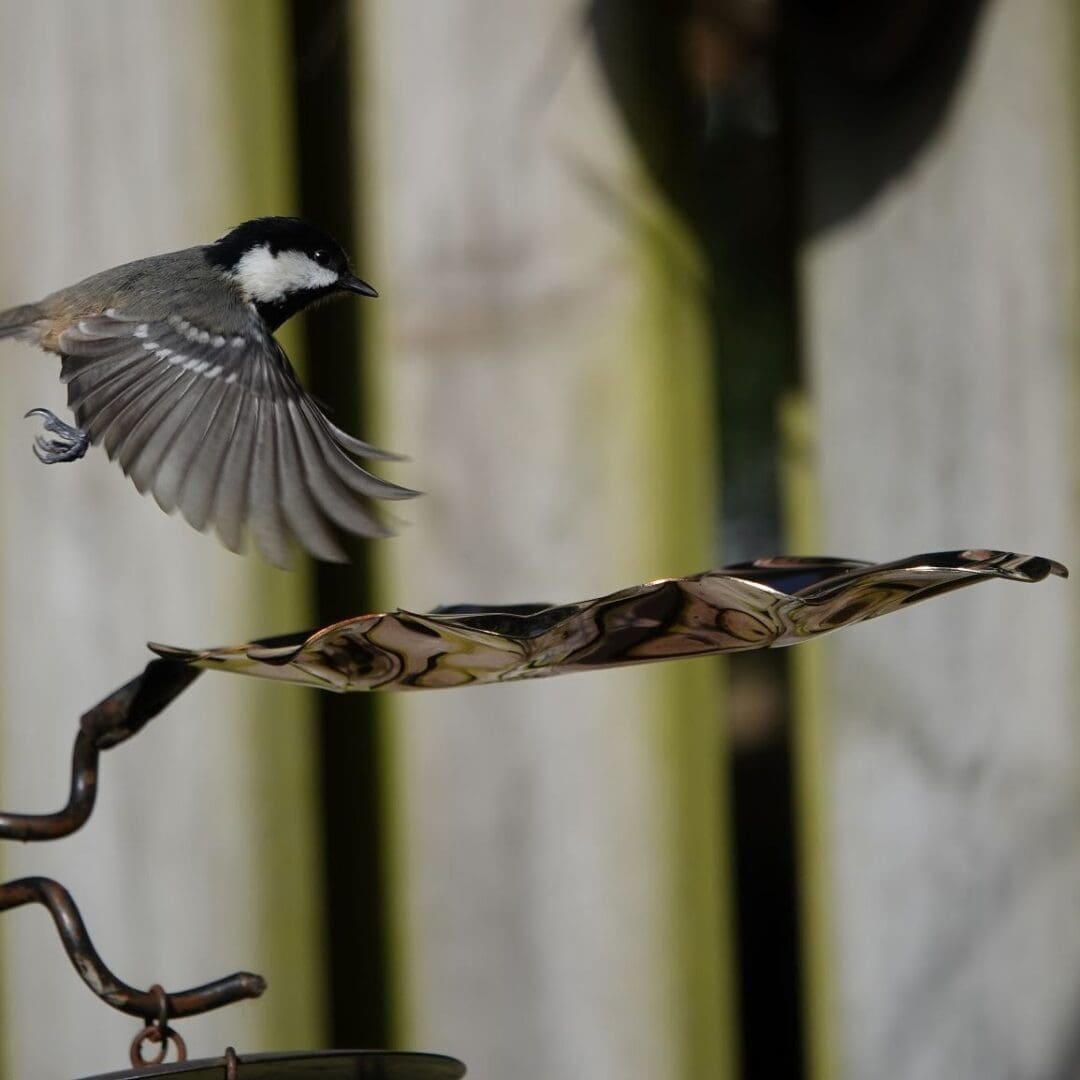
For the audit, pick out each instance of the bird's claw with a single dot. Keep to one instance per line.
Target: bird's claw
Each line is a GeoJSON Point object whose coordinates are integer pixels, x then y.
{"type": "Point", "coordinates": [70, 443]}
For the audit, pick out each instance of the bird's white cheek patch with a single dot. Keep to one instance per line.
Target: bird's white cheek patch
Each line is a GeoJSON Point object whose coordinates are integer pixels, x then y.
{"type": "Point", "coordinates": [265, 276]}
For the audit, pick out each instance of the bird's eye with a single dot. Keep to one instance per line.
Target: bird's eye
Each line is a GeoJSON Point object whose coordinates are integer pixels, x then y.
{"type": "Point", "coordinates": [322, 257]}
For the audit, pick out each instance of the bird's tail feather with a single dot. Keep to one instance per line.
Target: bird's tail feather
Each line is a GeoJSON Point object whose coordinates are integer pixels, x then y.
{"type": "Point", "coordinates": [18, 320]}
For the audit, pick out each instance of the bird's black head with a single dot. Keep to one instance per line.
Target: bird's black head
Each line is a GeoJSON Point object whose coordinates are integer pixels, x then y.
{"type": "Point", "coordinates": [283, 264]}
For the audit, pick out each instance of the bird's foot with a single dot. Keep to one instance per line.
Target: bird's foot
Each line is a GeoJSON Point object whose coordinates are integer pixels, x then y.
{"type": "Point", "coordinates": [69, 443]}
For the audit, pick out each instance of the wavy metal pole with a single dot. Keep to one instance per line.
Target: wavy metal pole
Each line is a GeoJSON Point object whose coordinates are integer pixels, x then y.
{"type": "Point", "coordinates": [116, 718]}
{"type": "Point", "coordinates": [145, 1004]}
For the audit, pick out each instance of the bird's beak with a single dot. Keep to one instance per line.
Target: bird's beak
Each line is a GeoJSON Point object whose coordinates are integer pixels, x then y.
{"type": "Point", "coordinates": [351, 283]}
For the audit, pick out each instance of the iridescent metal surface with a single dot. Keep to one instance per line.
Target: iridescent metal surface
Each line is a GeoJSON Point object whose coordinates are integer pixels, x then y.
{"type": "Point", "coordinates": [764, 604]}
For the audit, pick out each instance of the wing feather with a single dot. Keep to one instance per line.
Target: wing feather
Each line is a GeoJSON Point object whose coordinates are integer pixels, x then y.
{"type": "Point", "coordinates": [357, 479]}
{"type": "Point", "coordinates": [264, 491]}
{"type": "Point", "coordinates": [335, 498]}
{"type": "Point", "coordinates": [91, 386]}
{"type": "Point", "coordinates": [230, 506]}
{"type": "Point", "coordinates": [357, 446]}
{"type": "Point", "coordinates": [82, 375]}
{"type": "Point", "coordinates": [162, 425]}
{"type": "Point", "coordinates": [197, 494]}
{"type": "Point", "coordinates": [206, 396]}
{"type": "Point", "coordinates": [130, 431]}
{"type": "Point", "coordinates": [169, 453]}
{"type": "Point", "coordinates": [304, 517]}
{"type": "Point", "coordinates": [219, 427]}
{"type": "Point", "coordinates": [146, 384]}
{"type": "Point", "coordinates": [139, 434]}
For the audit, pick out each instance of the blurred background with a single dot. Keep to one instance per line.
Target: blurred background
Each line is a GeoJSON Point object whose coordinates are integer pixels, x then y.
{"type": "Point", "coordinates": [664, 286]}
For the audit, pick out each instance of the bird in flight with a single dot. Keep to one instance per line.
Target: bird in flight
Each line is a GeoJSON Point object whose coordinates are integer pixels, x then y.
{"type": "Point", "coordinates": [171, 363]}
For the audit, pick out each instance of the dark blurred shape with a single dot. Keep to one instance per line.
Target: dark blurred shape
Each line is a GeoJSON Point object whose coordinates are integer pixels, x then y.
{"type": "Point", "coordinates": [639, 46]}
{"type": "Point", "coordinates": [696, 82]}
{"type": "Point", "coordinates": [892, 45]}
{"type": "Point", "coordinates": [766, 875]}
{"type": "Point", "coordinates": [871, 85]}
{"type": "Point", "coordinates": [323, 55]}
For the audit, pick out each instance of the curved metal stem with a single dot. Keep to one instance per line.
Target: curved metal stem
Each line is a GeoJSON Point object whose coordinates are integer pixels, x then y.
{"type": "Point", "coordinates": [84, 764]}
{"type": "Point", "coordinates": [119, 716]}
{"type": "Point", "coordinates": [145, 1004]}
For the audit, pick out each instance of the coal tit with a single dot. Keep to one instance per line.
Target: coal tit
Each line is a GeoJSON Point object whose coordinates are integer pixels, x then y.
{"type": "Point", "coordinates": [171, 363]}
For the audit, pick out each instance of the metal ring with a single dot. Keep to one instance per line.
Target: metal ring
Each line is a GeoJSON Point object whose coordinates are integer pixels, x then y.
{"type": "Point", "coordinates": [157, 1030]}
{"type": "Point", "coordinates": [152, 1033]}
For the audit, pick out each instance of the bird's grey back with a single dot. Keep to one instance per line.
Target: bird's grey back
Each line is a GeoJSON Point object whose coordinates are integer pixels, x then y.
{"type": "Point", "coordinates": [179, 283]}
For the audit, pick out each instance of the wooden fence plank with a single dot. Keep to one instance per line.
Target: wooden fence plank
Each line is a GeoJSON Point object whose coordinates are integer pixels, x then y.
{"type": "Point", "coordinates": [557, 847]}
{"type": "Point", "coordinates": [941, 331]}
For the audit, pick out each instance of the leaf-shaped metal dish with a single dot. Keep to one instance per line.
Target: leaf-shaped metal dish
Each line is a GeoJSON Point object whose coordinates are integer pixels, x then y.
{"type": "Point", "coordinates": [758, 605]}
{"type": "Point", "coordinates": [312, 1065]}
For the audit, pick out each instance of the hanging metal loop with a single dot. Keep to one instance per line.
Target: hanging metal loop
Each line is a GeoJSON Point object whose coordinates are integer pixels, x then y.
{"type": "Point", "coordinates": [157, 1031]}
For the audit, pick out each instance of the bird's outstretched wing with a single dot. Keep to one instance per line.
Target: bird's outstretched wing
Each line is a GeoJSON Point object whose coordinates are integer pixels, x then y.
{"type": "Point", "coordinates": [219, 428]}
